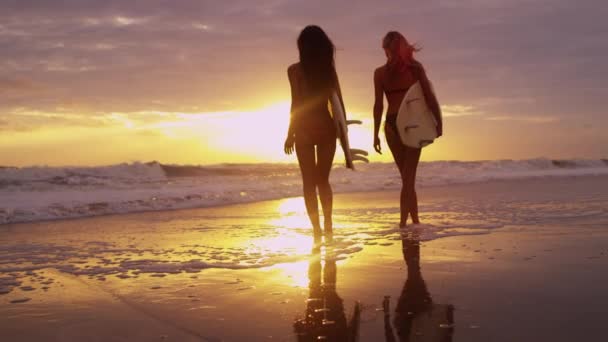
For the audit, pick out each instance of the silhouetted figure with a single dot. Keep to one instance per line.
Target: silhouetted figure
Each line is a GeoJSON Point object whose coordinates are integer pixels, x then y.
{"type": "Point", "coordinates": [417, 318]}
{"type": "Point", "coordinates": [394, 79]}
{"type": "Point", "coordinates": [311, 129]}
{"type": "Point", "coordinates": [325, 319]}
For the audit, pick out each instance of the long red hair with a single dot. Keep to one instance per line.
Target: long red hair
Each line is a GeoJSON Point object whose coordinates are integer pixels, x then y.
{"type": "Point", "coordinates": [400, 52]}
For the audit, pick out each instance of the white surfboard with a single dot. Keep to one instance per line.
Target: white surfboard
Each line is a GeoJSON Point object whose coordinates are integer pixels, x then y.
{"type": "Point", "coordinates": [415, 121]}
{"type": "Point", "coordinates": [350, 154]}
{"type": "Point", "coordinates": [434, 324]}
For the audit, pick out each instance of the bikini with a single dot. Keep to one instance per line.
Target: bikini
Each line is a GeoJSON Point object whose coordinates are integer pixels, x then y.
{"type": "Point", "coordinates": [391, 118]}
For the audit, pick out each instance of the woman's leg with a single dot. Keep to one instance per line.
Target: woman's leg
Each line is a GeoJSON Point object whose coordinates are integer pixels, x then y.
{"type": "Point", "coordinates": [398, 151]}
{"type": "Point", "coordinates": [306, 160]}
{"type": "Point", "coordinates": [409, 200]}
{"type": "Point", "coordinates": [395, 145]}
{"type": "Point", "coordinates": [325, 158]}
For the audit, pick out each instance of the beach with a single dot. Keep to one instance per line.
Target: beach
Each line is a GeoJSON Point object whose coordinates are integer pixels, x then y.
{"type": "Point", "coordinates": [159, 159]}
{"type": "Point", "coordinates": [500, 260]}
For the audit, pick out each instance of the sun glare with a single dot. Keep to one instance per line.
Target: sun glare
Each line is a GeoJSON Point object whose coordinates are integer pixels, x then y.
{"type": "Point", "coordinates": [248, 136]}
{"type": "Point", "coordinates": [296, 272]}
{"type": "Point", "coordinates": [292, 206]}
{"type": "Point", "coordinates": [292, 214]}
{"type": "Point", "coordinates": [238, 136]}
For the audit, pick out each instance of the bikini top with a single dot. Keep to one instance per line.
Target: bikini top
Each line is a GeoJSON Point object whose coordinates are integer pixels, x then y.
{"type": "Point", "coordinates": [400, 90]}
{"type": "Point", "coordinates": [396, 90]}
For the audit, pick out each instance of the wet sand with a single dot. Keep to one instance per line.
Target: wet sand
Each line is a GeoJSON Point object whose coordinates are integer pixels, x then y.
{"type": "Point", "coordinates": [248, 273]}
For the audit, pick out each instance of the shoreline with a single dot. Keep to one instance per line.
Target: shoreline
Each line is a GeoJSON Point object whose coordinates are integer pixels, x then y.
{"type": "Point", "coordinates": [270, 198]}
{"type": "Point", "coordinates": [516, 263]}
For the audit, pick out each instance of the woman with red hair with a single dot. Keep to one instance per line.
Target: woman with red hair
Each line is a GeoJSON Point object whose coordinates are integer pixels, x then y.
{"type": "Point", "coordinates": [393, 80]}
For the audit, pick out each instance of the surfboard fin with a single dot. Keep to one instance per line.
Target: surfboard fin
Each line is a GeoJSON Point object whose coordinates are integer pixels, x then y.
{"type": "Point", "coordinates": [358, 154]}
{"type": "Point", "coordinates": [360, 158]}
{"type": "Point", "coordinates": [358, 151]}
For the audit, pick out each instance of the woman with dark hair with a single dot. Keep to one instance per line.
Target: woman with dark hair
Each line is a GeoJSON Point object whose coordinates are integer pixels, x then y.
{"type": "Point", "coordinates": [325, 318]}
{"type": "Point", "coordinates": [393, 80]}
{"type": "Point", "coordinates": [311, 129]}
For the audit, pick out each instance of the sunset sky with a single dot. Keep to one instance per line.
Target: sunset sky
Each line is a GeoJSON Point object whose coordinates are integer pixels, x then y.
{"type": "Point", "coordinates": [90, 82]}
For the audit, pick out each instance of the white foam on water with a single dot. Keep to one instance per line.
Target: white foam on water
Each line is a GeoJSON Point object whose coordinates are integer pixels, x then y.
{"type": "Point", "coordinates": [245, 240]}
{"type": "Point", "coordinates": [46, 193]}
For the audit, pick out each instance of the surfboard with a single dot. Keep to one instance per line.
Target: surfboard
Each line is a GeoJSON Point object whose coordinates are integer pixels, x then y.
{"type": "Point", "coordinates": [350, 154]}
{"type": "Point", "coordinates": [415, 121]}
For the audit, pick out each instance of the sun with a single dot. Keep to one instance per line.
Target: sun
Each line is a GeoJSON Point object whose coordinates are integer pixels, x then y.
{"type": "Point", "coordinates": [247, 136]}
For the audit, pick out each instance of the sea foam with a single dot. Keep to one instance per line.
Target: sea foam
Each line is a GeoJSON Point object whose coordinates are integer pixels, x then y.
{"type": "Point", "coordinates": [42, 193]}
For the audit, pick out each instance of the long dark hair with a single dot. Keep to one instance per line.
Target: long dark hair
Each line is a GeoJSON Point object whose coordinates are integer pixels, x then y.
{"type": "Point", "coordinates": [317, 59]}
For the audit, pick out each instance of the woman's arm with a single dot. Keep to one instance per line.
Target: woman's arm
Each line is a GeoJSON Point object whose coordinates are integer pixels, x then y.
{"type": "Point", "coordinates": [339, 91]}
{"type": "Point", "coordinates": [378, 108]}
{"type": "Point", "coordinates": [293, 84]}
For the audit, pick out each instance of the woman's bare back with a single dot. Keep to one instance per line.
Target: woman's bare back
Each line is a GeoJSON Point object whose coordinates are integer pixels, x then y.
{"type": "Point", "coordinates": [394, 85]}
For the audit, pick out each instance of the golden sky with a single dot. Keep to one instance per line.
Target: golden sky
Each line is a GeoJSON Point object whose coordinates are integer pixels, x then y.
{"type": "Point", "coordinates": [204, 82]}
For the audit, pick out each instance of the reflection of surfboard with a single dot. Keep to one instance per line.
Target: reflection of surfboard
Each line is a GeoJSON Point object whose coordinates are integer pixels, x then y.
{"type": "Point", "coordinates": [436, 324]}
{"type": "Point", "coordinates": [415, 121]}
{"type": "Point", "coordinates": [350, 154]}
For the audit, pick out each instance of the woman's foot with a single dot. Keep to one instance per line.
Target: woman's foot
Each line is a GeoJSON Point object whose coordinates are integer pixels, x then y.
{"type": "Point", "coordinates": [329, 237]}
{"type": "Point", "coordinates": [317, 237]}
{"type": "Point", "coordinates": [328, 230]}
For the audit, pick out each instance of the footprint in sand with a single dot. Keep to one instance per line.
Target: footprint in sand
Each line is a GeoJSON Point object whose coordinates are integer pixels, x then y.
{"type": "Point", "coordinates": [20, 300]}
{"type": "Point", "coordinates": [246, 288]}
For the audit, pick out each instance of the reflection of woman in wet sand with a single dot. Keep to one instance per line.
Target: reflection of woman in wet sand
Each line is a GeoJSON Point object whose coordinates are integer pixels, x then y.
{"type": "Point", "coordinates": [312, 130]}
{"type": "Point", "coordinates": [417, 318]}
{"type": "Point", "coordinates": [393, 79]}
{"type": "Point", "coordinates": [325, 319]}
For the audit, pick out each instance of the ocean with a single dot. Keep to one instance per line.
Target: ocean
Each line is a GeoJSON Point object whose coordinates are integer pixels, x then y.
{"type": "Point", "coordinates": [39, 193]}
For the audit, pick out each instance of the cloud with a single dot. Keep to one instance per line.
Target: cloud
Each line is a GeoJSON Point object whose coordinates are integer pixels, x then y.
{"type": "Point", "coordinates": [459, 110]}
{"type": "Point", "coordinates": [116, 56]}
{"type": "Point", "coordinates": [17, 85]}
{"type": "Point", "coordinates": [530, 119]}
